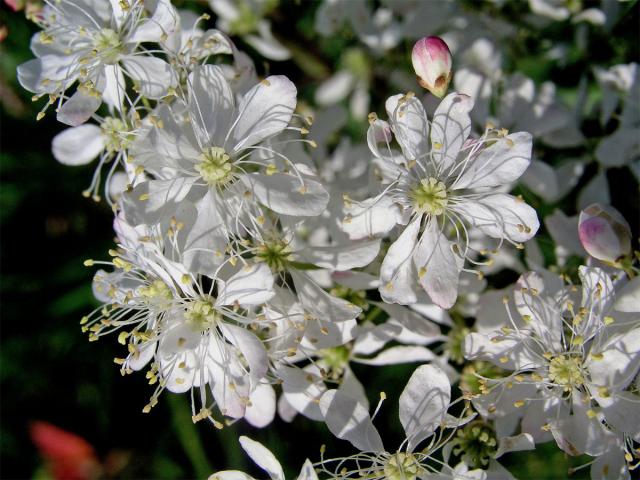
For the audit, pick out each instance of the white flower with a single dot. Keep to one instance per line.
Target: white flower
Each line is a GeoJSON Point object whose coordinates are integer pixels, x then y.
{"type": "Point", "coordinates": [572, 359]}
{"type": "Point", "coordinates": [192, 329]}
{"type": "Point", "coordinates": [423, 410]}
{"type": "Point", "coordinates": [212, 169]}
{"type": "Point", "coordinates": [109, 142]}
{"type": "Point", "coordinates": [441, 184]}
{"type": "Point", "coordinates": [95, 42]}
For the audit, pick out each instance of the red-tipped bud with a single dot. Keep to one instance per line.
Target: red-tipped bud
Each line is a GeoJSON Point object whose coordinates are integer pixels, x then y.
{"type": "Point", "coordinates": [604, 233]}
{"type": "Point", "coordinates": [431, 60]}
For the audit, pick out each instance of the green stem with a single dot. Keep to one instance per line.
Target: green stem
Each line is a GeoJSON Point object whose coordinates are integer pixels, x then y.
{"type": "Point", "coordinates": [188, 436]}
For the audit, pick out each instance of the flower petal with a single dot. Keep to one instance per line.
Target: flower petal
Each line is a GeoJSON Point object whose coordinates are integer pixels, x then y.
{"type": "Point", "coordinates": [78, 145]}
{"type": "Point", "coordinates": [397, 273]}
{"type": "Point", "coordinates": [211, 104]}
{"type": "Point", "coordinates": [284, 194]}
{"type": "Point", "coordinates": [410, 125]}
{"type": "Point", "coordinates": [152, 75]}
{"type": "Point", "coordinates": [501, 163]}
{"type": "Point", "coordinates": [450, 128]}
{"type": "Point", "coordinates": [438, 267]}
{"type": "Point", "coordinates": [424, 403]}
{"type": "Point", "coordinates": [349, 420]}
{"type": "Point", "coordinates": [263, 457]}
{"type": "Point", "coordinates": [264, 111]}
{"type": "Point", "coordinates": [252, 285]}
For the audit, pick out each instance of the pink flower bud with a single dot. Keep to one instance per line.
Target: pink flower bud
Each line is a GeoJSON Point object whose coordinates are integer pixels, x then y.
{"type": "Point", "coordinates": [604, 233]}
{"type": "Point", "coordinates": [431, 60]}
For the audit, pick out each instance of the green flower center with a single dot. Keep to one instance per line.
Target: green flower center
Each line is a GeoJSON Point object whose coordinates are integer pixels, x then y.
{"type": "Point", "coordinates": [476, 443]}
{"type": "Point", "coordinates": [215, 167]}
{"type": "Point", "coordinates": [566, 370]}
{"type": "Point", "coordinates": [107, 45]}
{"type": "Point", "coordinates": [276, 255]}
{"type": "Point", "coordinates": [402, 466]}
{"type": "Point", "coordinates": [430, 196]}
{"type": "Point", "coordinates": [335, 360]}
{"type": "Point", "coordinates": [112, 131]}
{"type": "Point", "coordinates": [201, 315]}
{"type": "Point", "coordinates": [455, 344]}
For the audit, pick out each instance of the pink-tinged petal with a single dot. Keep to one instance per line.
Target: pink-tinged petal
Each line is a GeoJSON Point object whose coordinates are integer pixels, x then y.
{"type": "Point", "coordinates": [604, 233]}
{"type": "Point", "coordinates": [432, 62]}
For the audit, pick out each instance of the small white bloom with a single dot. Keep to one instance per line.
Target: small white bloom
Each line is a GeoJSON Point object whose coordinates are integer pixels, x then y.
{"type": "Point", "coordinates": [441, 184]}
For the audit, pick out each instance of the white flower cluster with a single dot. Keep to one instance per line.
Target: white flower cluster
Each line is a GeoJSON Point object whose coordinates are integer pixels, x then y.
{"type": "Point", "coordinates": [256, 264]}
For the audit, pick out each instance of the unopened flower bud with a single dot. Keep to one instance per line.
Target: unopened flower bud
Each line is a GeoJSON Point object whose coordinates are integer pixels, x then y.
{"type": "Point", "coordinates": [604, 233]}
{"type": "Point", "coordinates": [431, 60]}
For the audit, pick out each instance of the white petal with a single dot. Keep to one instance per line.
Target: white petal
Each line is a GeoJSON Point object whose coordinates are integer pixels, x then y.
{"type": "Point", "coordinates": [266, 44]}
{"type": "Point", "coordinates": [397, 273]}
{"type": "Point", "coordinates": [115, 87]}
{"type": "Point", "coordinates": [252, 285]}
{"type": "Point", "coordinates": [524, 441]}
{"type": "Point", "coordinates": [153, 200]}
{"type": "Point", "coordinates": [262, 408]}
{"type": "Point", "coordinates": [541, 178]}
{"type": "Point", "coordinates": [78, 109]}
{"type": "Point", "coordinates": [307, 472]}
{"type": "Point", "coordinates": [611, 466]}
{"type": "Point", "coordinates": [628, 298]}
{"type": "Point", "coordinates": [263, 457]}
{"type": "Point", "coordinates": [342, 257]}
{"type": "Point", "coordinates": [203, 239]}
{"type": "Point", "coordinates": [302, 391]}
{"type": "Point", "coordinates": [78, 145]}
{"type": "Point", "coordinates": [399, 354]}
{"type": "Point", "coordinates": [438, 267]}
{"type": "Point", "coordinates": [500, 215]}
{"type": "Point", "coordinates": [163, 22]}
{"type": "Point", "coordinates": [152, 75]}
{"type": "Point", "coordinates": [284, 194]}
{"type": "Point", "coordinates": [230, 475]}
{"type": "Point", "coordinates": [424, 403]}
{"type": "Point", "coordinates": [450, 128]}
{"type": "Point", "coordinates": [619, 363]}
{"type": "Point", "coordinates": [211, 104]}
{"type": "Point", "coordinates": [264, 111]}
{"type": "Point", "coordinates": [349, 420]}
{"type": "Point", "coordinates": [54, 69]}
{"type": "Point", "coordinates": [335, 88]}
{"type": "Point", "coordinates": [319, 303]}
{"type": "Point", "coordinates": [251, 348]}
{"type": "Point", "coordinates": [410, 125]}
{"type": "Point", "coordinates": [371, 218]}
{"type": "Point", "coordinates": [501, 163]}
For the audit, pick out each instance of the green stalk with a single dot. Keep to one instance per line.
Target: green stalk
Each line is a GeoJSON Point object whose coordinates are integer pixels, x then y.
{"type": "Point", "coordinates": [188, 436]}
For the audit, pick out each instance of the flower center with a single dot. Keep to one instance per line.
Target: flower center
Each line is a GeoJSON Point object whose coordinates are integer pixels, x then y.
{"type": "Point", "coordinates": [430, 196]}
{"type": "Point", "coordinates": [335, 360]}
{"type": "Point", "coordinates": [215, 167]}
{"type": "Point", "coordinates": [402, 466]}
{"type": "Point", "coordinates": [107, 45]}
{"type": "Point", "coordinates": [566, 370]}
{"type": "Point", "coordinates": [276, 254]}
{"type": "Point", "coordinates": [476, 443]}
{"type": "Point", "coordinates": [112, 129]}
{"type": "Point", "coordinates": [201, 315]}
